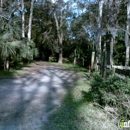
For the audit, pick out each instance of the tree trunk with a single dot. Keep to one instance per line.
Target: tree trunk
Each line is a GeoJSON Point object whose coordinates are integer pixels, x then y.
{"type": "Point", "coordinates": [30, 20]}
{"type": "Point", "coordinates": [83, 62]}
{"type": "Point", "coordinates": [105, 62]}
{"type": "Point", "coordinates": [6, 64]}
{"type": "Point", "coordinates": [60, 52]}
{"type": "Point", "coordinates": [92, 60]}
{"type": "Point", "coordinates": [60, 36]}
{"type": "Point", "coordinates": [1, 6]}
{"type": "Point", "coordinates": [111, 53]}
{"type": "Point", "coordinates": [23, 19]}
{"type": "Point", "coordinates": [75, 59]}
{"type": "Point", "coordinates": [99, 34]}
{"type": "Point", "coordinates": [127, 44]}
{"type": "Point", "coordinates": [127, 56]}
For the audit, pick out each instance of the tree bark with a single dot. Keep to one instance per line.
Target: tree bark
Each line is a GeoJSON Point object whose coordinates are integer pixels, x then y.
{"type": "Point", "coordinates": [111, 52]}
{"type": "Point", "coordinates": [60, 35]}
{"type": "Point", "coordinates": [99, 34]}
{"type": "Point", "coordinates": [30, 20]}
{"type": "Point", "coordinates": [127, 56]}
{"type": "Point", "coordinates": [6, 64]}
{"type": "Point", "coordinates": [1, 6]}
{"type": "Point", "coordinates": [127, 44]}
{"type": "Point", "coordinates": [23, 19]}
{"type": "Point", "coordinates": [105, 62]}
{"type": "Point", "coordinates": [83, 62]}
{"type": "Point", "coordinates": [75, 59]}
{"type": "Point", "coordinates": [60, 52]}
{"type": "Point", "coordinates": [92, 60]}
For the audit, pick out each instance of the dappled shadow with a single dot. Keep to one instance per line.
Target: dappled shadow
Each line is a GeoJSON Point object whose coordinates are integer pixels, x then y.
{"type": "Point", "coordinates": [39, 100]}
{"type": "Point", "coordinates": [67, 116]}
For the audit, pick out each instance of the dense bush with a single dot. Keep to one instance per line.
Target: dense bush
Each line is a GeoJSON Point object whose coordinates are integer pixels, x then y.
{"type": "Point", "coordinates": [113, 91]}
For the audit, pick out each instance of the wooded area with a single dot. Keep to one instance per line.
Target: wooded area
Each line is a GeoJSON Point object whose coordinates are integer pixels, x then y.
{"type": "Point", "coordinates": [89, 33]}
{"type": "Point", "coordinates": [94, 34]}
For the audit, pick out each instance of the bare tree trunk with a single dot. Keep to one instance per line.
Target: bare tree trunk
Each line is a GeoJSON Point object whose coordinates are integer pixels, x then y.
{"type": "Point", "coordinates": [60, 51]}
{"type": "Point", "coordinates": [23, 19]}
{"type": "Point", "coordinates": [105, 61]}
{"type": "Point", "coordinates": [127, 35]}
{"type": "Point", "coordinates": [127, 56]}
{"type": "Point", "coordinates": [1, 6]}
{"type": "Point", "coordinates": [83, 62]}
{"type": "Point", "coordinates": [60, 35]}
{"type": "Point", "coordinates": [30, 20]}
{"type": "Point", "coordinates": [92, 60]}
{"type": "Point", "coordinates": [111, 53]}
{"type": "Point", "coordinates": [6, 64]}
{"type": "Point", "coordinates": [99, 34]}
{"type": "Point", "coordinates": [75, 59]}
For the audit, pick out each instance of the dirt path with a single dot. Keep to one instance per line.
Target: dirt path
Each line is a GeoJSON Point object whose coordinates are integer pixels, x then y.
{"type": "Point", "coordinates": [26, 102]}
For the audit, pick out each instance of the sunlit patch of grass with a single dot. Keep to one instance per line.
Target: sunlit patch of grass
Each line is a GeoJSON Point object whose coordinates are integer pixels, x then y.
{"type": "Point", "coordinates": [71, 66]}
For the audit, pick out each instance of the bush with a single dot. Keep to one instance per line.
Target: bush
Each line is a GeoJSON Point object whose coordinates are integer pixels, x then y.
{"type": "Point", "coordinates": [113, 91]}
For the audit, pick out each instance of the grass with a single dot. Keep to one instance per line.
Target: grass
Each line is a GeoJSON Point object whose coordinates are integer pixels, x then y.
{"type": "Point", "coordinates": [71, 66]}
{"type": "Point", "coordinates": [78, 114]}
{"type": "Point", "coordinates": [11, 73]}
{"type": "Point", "coordinates": [16, 71]}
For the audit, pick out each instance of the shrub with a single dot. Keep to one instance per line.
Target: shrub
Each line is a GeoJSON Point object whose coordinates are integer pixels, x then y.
{"type": "Point", "coordinates": [114, 91]}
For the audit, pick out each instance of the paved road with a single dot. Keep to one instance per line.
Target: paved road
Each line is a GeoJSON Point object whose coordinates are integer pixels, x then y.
{"type": "Point", "coordinates": [26, 102]}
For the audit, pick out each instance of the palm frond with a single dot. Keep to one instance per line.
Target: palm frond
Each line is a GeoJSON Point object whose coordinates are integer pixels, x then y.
{"type": "Point", "coordinates": [7, 49]}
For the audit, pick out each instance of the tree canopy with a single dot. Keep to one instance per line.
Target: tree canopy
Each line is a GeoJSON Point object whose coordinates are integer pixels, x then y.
{"type": "Point", "coordinates": [39, 29]}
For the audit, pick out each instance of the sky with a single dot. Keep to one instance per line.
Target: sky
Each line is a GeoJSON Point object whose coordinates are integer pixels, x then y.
{"type": "Point", "coordinates": [74, 7]}
{"type": "Point", "coordinates": [53, 1]}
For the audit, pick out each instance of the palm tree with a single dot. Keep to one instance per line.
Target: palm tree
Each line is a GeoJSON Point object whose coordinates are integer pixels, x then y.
{"type": "Point", "coordinates": [9, 36]}
{"type": "Point", "coordinates": [7, 50]}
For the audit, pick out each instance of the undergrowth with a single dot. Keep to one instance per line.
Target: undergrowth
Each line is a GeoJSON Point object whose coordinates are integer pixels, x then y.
{"type": "Point", "coordinates": [113, 92]}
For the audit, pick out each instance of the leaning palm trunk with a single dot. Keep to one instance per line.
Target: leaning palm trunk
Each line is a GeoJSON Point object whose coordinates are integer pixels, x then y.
{"type": "Point", "coordinates": [30, 20]}
{"type": "Point", "coordinates": [127, 35]}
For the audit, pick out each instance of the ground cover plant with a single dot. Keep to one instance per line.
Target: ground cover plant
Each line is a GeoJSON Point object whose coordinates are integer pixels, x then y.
{"type": "Point", "coordinates": [113, 92]}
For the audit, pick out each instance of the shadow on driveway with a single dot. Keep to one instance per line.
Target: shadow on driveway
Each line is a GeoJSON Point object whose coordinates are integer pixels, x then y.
{"type": "Point", "coordinates": [41, 100]}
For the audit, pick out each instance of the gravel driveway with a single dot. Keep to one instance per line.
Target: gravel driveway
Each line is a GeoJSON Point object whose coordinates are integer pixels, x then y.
{"type": "Point", "coordinates": [26, 102]}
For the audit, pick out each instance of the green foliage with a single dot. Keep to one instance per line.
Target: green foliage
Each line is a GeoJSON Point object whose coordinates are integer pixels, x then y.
{"type": "Point", "coordinates": [114, 91]}
{"type": "Point", "coordinates": [6, 50]}
{"type": "Point", "coordinates": [119, 51]}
